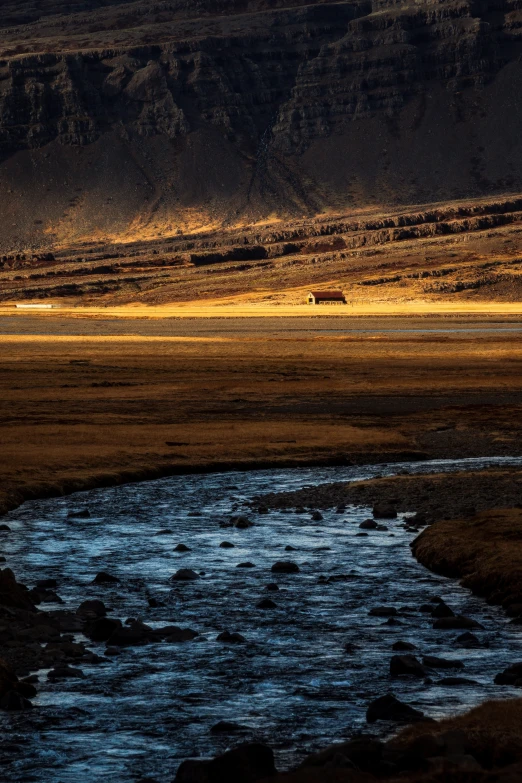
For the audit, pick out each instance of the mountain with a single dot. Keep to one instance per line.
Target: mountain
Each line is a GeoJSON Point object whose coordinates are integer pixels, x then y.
{"type": "Point", "coordinates": [141, 120]}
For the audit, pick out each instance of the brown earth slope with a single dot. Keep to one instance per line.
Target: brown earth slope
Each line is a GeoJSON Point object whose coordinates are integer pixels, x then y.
{"type": "Point", "coordinates": [141, 119]}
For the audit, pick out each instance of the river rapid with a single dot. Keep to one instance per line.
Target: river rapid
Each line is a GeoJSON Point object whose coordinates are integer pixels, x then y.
{"type": "Point", "coordinates": [292, 683]}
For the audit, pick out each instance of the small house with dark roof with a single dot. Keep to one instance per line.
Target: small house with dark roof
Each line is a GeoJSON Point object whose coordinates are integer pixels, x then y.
{"type": "Point", "coordinates": [326, 297]}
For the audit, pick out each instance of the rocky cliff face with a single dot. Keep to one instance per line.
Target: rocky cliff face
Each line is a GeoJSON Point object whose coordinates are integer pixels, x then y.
{"type": "Point", "coordinates": [138, 119]}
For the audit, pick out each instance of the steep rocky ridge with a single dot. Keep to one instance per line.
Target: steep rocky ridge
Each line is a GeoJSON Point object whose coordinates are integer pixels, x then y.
{"type": "Point", "coordinates": [139, 119]}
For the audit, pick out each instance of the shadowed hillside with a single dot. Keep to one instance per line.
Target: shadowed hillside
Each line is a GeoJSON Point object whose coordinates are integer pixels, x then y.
{"type": "Point", "coordinates": [138, 120]}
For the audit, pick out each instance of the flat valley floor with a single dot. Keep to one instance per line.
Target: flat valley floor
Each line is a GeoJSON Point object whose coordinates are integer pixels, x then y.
{"type": "Point", "coordinates": [90, 400]}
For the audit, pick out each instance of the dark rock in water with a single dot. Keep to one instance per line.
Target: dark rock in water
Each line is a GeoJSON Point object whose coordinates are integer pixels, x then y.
{"type": "Point", "coordinates": [406, 665]}
{"type": "Point", "coordinates": [185, 575]}
{"type": "Point", "coordinates": [382, 528]}
{"type": "Point", "coordinates": [65, 673]}
{"type": "Point", "coordinates": [468, 640]}
{"type": "Point", "coordinates": [182, 548]}
{"type": "Point", "coordinates": [26, 689]}
{"type": "Point", "coordinates": [82, 513]}
{"type": "Point", "coordinates": [112, 651]}
{"type": "Point", "coordinates": [241, 522]}
{"type": "Point", "coordinates": [384, 511]}
{"type": "Point", "coordinates": [285, 567]}
{"type": "Point", "coordinates": [154, 603]}
{"type": "Point", "coordinates": [272, 587]}
{"type": "Point", "coordinates": [101, 630]}
{"type": "Point", "coordinates": [350, 648]}
{"type": "Point", "coordinates": [418, 519]}
{"type": "Point", "coordinates": [92, 608]}
{"type": "Point", "coordinates": [46, 584]}
{"type": "Point", "coordinates": [248, 763]}
{"type": "Point", "coordinates": [360, 535]}
{"type": "Point", "coordinates": [226, 545]}
{"type": "Point", "coordinates": [441, 663]}
{"type": "Point", "coordinates": [227, 727]}
{"type": "Point", "coordinates": [262, 510]}
{"type": "Point", "coordinates": [442, 610]}
{"type": "Point", "coordinates": [165, 532]}
{"type": "Point", "coordinates": [383, 611]}
{"type": "Point", "coordinates": [289, 548]}
{"type": "Point", "coordinates": [12, 701]}
{"type": "Point", "coordinates": [103, 578]}
{"type": "Point", "coordinates": [317, 516]}
{"type": "Point", "coordinates": [248, 564]}
{"type": "Point", "coordinates": [401, 646]}
{"type": "Point", "coordinates": [456, 623]}
{"type": "Point", "coordinates": [5, 528]}
{"type": "Point", "coordinates": [266, 603]}
{"type": "Point", "coordinates": [392, 621]}
{"type": "Point", "coordinates": [230, 638]}
{"type": "Point", "coordinates": [426, 608]}
{"type": "Point", "coordinates": [134, 634]}
{"type": "Point", "coordinates": [369, 524]}
{"type": "Point", "coordinates": [194, 514]}
{"type": "Point", "coordinates": [455, 682]}
{"type": "Point", "coordinates": [390, 708]}
{"type": "Point", "coordinates": [171, 633]}
{"type": "Point", "coordinates": [510, 676]}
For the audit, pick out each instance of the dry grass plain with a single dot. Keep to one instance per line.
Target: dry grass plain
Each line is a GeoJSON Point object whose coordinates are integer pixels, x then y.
{"type": "Point", "coordinates": [87, 401]}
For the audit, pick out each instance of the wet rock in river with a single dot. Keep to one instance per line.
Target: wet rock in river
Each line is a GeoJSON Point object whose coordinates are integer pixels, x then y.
{"type": "Point", "coordinates": [240, 522]}
{"type": "Point", "coordinates": [441, 663]}
{"type": "Point", "coordinates": [457, 623]}
{"type": "Point", "coordinates": [510, 676]}
{"type": "Point", "coordinates": [227, 727]}
{"type": "Point", "coordinates": [468, 641]}
{"type": "Point", "coordinates": [391, 709]}
{"type": "Point", "coordinates": [165, 532]}
{"type": "Point", "coordinates": [272, 587]}
{"type": "Point", "coordinates": [455, 682]}
{"type": "Point", "coordinates": [317, 516]}
{"type": "Point", "coordinates": [384, 511]}
{"type": "Point", "coordinates": [46, 584]}
{"type": "Point", "coordinates": [91, 609]}
{"type": "Point", "coordinates": [5, 529]}
{"type": "Point", "coordinates": [65, 673]}
{"type": "Point", "coordinates": [285, 567]}
{"type": "Point", "coordinates": [182, 548]}
{"type": "Point", "coordinates": [154, 603]}
{"type": "Point", "coordinates": [12, 701]}
{"type": "Point", "coordinates": [406, 665]}
{"type": "Point", "coordinates": [248, 763]}
{"type": "Point", "coordinates": [369, 524]}
{"type": "Point", "coordinates": [103, 578]}
{"type": "Point", "coordinates": [401, 646]}
{"type": "Point", "coordinates": [101, 629]}
{"type": "Point", "coordinates": [266, 603]}
{"type": "Point", "coordinates": [442, 610]}
{"type": "Point", "coordinates": [289, 548]}
{"type": "Point", "coordinates": [226, 545]}
{"type": "Point", "coordinates": [230, 638]}
{"type": "Point", "coordinates": [134, 634]}
{"type": "Point", "coordinates": [248, 564]}
{"type": "Point", "coordinates": [383, 611]}
{"type": "Point", "coordinates": [185, 575]}
{"type": "Point", "coordinates": [171, 633]}
{"type": "Point", "coordinates": [262, 510]}
{"type": "Point", "coordinates": [360, 535]}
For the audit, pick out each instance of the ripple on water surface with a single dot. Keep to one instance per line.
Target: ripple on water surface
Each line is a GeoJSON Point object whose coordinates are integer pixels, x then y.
{"type": "Point", "coordinates": [292, 683]}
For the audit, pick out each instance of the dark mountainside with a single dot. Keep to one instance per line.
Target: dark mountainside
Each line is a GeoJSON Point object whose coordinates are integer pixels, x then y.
{"type": "Point", "coordinates": [140, 119]}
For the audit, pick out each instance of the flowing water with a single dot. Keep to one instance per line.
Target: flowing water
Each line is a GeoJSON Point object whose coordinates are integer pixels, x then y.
{"type": "Point", "coordinates": [292, 683]}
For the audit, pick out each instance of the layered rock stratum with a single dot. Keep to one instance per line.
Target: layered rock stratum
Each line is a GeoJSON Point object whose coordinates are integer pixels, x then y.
{"type": "Point", "coordinates": [134, 120]}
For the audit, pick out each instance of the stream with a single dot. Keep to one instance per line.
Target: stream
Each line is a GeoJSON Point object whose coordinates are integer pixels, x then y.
{"type": "Point", "coordinates": [291, 684]}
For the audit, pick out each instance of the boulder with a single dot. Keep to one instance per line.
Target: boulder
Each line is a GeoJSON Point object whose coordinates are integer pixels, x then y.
{"type": "Point", "coordinates": [408, 665]}
{"type": "Point", "coordinates": [289, 548]}
{"type": "Point", "coordinates": [441, 663]}
{"type": "Point", "coordinates": [185, 575]}
{"type": "Point", "coordinates": [455, 682]}
{"type": "Point", "coordinates": [457, 623]}
{"type": "Point", "coordinates": [13, 594]}
{"type": "Point", "coordinates": [384, 511]}
{"type": "Point", "coordinates": [226, 545]}
{"type": "Point", "coordinates": [65, 673]}
{"type": "Point", "coordinates": [82, 513]}
{"type": "Point", "coordinates": [5, 529]}
{"type": "Point", "coordinates": [135, 633]}
{"type": "Point", "coordinates": [383, 611]}
{"type": "Point", "coordinates": [230, 638]}
{"type": "Point", "coordinates": [13, 701]}
{"type": "Point", "coordinates": [391, 709]}
{"type": "Point", "coordinates": [92, 608]}
{"type": "Point", "coordinates": [272, 587]}
{"type": "Point", "coordinates": [46, 584]}
{"type": "Point", "coordinates": [103, 578]}
{"type": "Point", "coordinates": [182, 548]}
{"type": "Point", "coordinates": [285, 567]}
{"type": "Point", "coordinates": [362, 753]}
{"type": "Point", "coordinates": [369, 524]}
{"type": "Point", "coordinates": [171, 633]}
{"type": "Point", "coordinates": [468, 640]}
{"type": "Point", "coordinates": [510, 676]}
{"type": "Point", "coordinates": [166, 531]}
{"type": "Point", "coordinates": [241, 522]}
{"type": "Point", "coordinates": [248, 564]}
{"type": "Point", "coordinates": [102, 629]}
{"type": "Point", "coordinates": [248, 763]}
{"type": "Point", "coordinates": [442, 610]}
{"type": "Point", "coordinates": [401, 646]}
{"type": "Point", "coordinates": [227, 727]}
{"type": "Point", "coordinates": [266, 603]}
{"type": "Point", "coordinates": [317, 516]}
